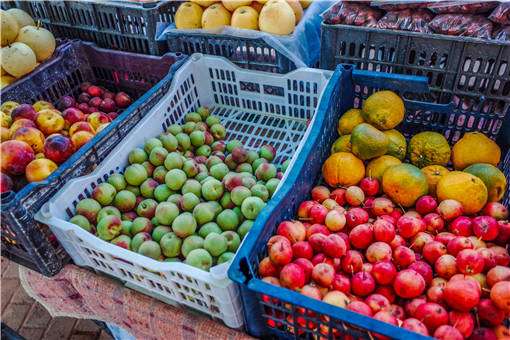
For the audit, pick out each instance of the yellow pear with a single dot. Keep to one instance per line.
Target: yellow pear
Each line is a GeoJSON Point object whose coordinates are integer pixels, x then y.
{"type": "Point", "coordinates": [296, 7]}
{"type": "Point", "coordinates": [231, 5]}
{"type": "Point", "coordinates": [215, 16]}
{"type": "Point", "coordinates": [40, 40]}
{"type": "Point", "coordinates": [245, 17]}
{"type": "Point", "coordinates": [188, 15]}
{"type": "Point", "coordinates": [10, 27]}
{"type": "Point", "coordinates": [18, 59]}
{"type": "Point", "coordinates": [305, 3]}
{"type": "Point", "coordinates": [204, 3]}
{"type": "Point", "coordinates": [277, 17]}
{"type": "Point", "coordinates": [22, 17]}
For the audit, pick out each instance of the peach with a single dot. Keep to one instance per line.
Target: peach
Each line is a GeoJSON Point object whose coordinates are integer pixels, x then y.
{"type": "Point", "coordinates": [15, 156]}
{"type": "Point", "coordinates": [72, 115]}
{"type": "Point", "coordinates": [4, 134]}
{"type": "Point", "coordinates": [49, 121]}
{"type": "Point", "coordinates": [23, 111]}
{"type": "Point", "coordinates": [20, 123]}
{"type": "Point", "coordinates": [81, 126]}
{"type": "Point", "coordinates": [98, 118]}
{"type": "Point", "coordinates": [32, 137]}
{"type": "Point", "coordinates": [39, 169]}
{"type": "Point", "coordinates": [5, 119]}
{"type": "Point", "coordinates": [7, 107]}
{"type": "Point", "coordinates": [81, 138]}
{"type": "Point", "coordinates": [42, 105]}
{"type": "Point", "coordinates": [58, 148]}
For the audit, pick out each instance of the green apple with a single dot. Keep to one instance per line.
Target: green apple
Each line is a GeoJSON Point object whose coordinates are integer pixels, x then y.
{"type": "Point", "coordinates": [239, 194]}
{"type": "Point", "coordinates": [175, 179]}
{"type": "Point", "coordinates": [184, 225]}
{"type": "Point", "coordinates": [203, 213]}
{"type": "Point", "coordinates": [244, 228]}
{"type": "Point", "coordinates": [225, 257]}
{"type": "Point", "coordinates": [174, 160]}
{"type": "Point", "coordinates": [212, 190]}
{"type": "Point", "coordinates": [208, 228]}
{"type": "Point", "coordinates": [158, 155]}
{"type": "Point", "coordinates": [166, 212]}
{"type": "Point", "coordinates": [189, 201]}
{"type": "Point", "coordinates": [215, 244]}
{"type": "Point", "coordinates": [118, 181]}
{"type": "Point", "coordinates": [171, 244]}
{"type": "Point", "coordinates": [169, 141]}
{"type": "Point", "coordinates": [135, 174]}
{"type": "Point", "coordinates": [150, 249]}
{"type": "Point", "coordinates": [251, 207]}
{"type": "Point", "coordinates": [174, 129]}
{"type": "Point", "coordinates": [199, 258]}
{"type": "Point", "coordinates": [81, 221]}
{"type": "Point", "coordinates": [271, 185]}
{"type": "Point", "coordinates": [191, 242]}
{"type": "Point", "coordinates": [193, 186]}
{"type": "Point", "coordinates": [137, 156]}
{"type": "Point", "coordinates": [150, 144]}
{"type": "Point", "coordinates": [261, 191]}
{"type": "Point", "coordinates": [227, 220]}
{"type": "Point", "coordinates": [159, 232]}
{"type": "Point", "coordinates": [162, 192]}
{"type": "Point", "coordinates": [233, 240]}
{"type": "Point", "coordinates": [219, 171]}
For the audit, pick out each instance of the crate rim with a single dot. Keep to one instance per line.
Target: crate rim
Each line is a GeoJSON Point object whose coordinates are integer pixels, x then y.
{"type": "Point", "coordinates": [435, 36]}
{"type": "Point", "coordinates": [11, 198]}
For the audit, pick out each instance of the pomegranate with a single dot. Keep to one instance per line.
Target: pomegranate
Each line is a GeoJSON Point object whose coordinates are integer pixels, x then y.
{"type": "Point", "coordinates": [377, 302]}
{"type": "Point", "coordinates": [363, 284]}
{"type": "Point", "coordinates": [383, 272]}
{"type": "Point", "coordinates": [369, 185]}
{"type": "Point", "coordinates": [449, 209]}
{"type": "Point", "coordinates": [408, 284]}
{"type": "Point", "coordinates": [310, 291]}
{"type": "Point", "coordinates": [361, 236]}
{"type": "Point", "coordinates": [500, 295]}
{"type": "Point", "coordinates": [360, 307]}
{"type": "Point", "coordinates": [352, 262]}
{"type": "Point", "coordinates": [403, 256]}
{"type": "Point", "coordinates": [438, 281]}
{"type": "Point", "coordinates": [469, 261]}
{"type": "Point", "coordinates": [432, 315]}
{"type": "Point", "coordinates": [433, 250]}
{"type": "Point", "coordinates": [446, 266]}
{"type": "Point", "coordinates": [367, 267]}
{"type": "Point", "coordinates": [292, 276]}
{"type": "Point", "coordinates": [384, 231]}
{"type": "Point", "coordinates": [434, 223]}
{"type": "Point", "coordinates": [378, 251]}
{"type": "Point", "coordinates": [489, 314]}
{"type": "Point", "coordinates": [489, 258]}
{"type": "Point", "coordinates": [294, 232]}
{"type": "Point", "coordinates": [496, 274]}
{"type": "Point", "coordinates": [338, 195]}
{"type": "Point", "coordinates": [485, 227]}
{"type": "Point", "coordinates": [496, 210]}
{"type": "Point", "coordinates": [341, 283]}
{"type": "Point", "coordinates": [424, 269]}
{"type": "Point", "coordinates": [302, 249]}
{"type": "Point", "coordinates": [447, 332]}
{"type": "Point", "coordinates": [426, 205]}
{"type": "Point", "coordinates": [323, 274]}
{"type": "Point", "coordinates": [388, 218]}
{"type": "Point", "coordinates": [409, 226]}
{"type": "Point", "coordinates": [415, 325]}
{"type": "Point", "coordinates": [413, 304]}
{"type": "Point", "coordinates": [356, 216]}
{"type": "Point", "coordinates": [462, 321]}
{"type": "Point", "coordinates": [354, 195]}
{"type": "Point", "coordinates": [320, 193]}
{"type": "Point", "coordinates": [461, 226]}
{"type": "Point", "coordinates": [307, 267]}
{"type": "Point", "coordinates": [382, 206]}
{"type": "Point", "coordinates": [457, 244]}
{"type": "Point", "coordinates": [420, 240]}
{"type": "Point", "coordinates": [462, 294]}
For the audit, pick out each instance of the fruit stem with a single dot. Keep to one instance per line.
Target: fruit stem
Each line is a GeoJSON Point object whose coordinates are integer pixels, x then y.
{"type": "Point", "coordinates": [38, 24]}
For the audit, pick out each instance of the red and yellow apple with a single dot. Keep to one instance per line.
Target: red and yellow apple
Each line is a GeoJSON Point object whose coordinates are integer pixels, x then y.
{"type": "Point", "coordinates": [15, 156]}
{"type": "Point", "coordinates": [49, 121]}
{"type": "Point", "coordinates": [72, 115]}
{"type": "Point", "coordinates": [42, 105]}
{"type": "Point", "coordinates": [58, 148]}
{"type": "Point", "coordinates": [80, 138]}
{"type": "Point", "coordinates": [80, 126]}
{"type": "Point", "coordinates": [97, 118]}
{"type": "Point", "coordinates": [39, 169]}
{"type": "Point", "coordinates": [23, 111]}
{"type": "Point", "coordinates": [20, 123]}
{"type": "Point", "coordinates": [31, 136]}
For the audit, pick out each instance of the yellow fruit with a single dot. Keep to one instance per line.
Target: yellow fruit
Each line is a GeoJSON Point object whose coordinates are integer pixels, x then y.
{"type": "Point", "coordinates": [232, 5]}
{"type": "Point", "coordinates": [305, 3]}
{"type": "Point", "coordinates": [343, 169]}
{"type": "Point", "coordinates": [7, 107]}
{"type": "Point", "coordinates": [398, 145]}
{"type": "Point", "coordinates": [4, 134]}
{"type": "Point", "coordinates": [39, 39]}
{"type": "Point", "coordinates": [245, 17]}
{"type": "Point", "coordinates": [296, 7]}
{"type": "Point", "coordinates": [277, 17]}
{"type": "Point", "coordinates": [404, 184]}
{"type": "Point", "coordinates": [204, 3]}
{"type": "Point", "coordinates": [9, 27]}
{"type": "Point", "coordinates": [6, 80]}
{"type": "Point", "coordinates": [473, 148]}
{"type": "Point", "coordinates": [367, 142]}
{"type": "Point", "coordinates": [349, 121]}
{"type": "Point", "coordinates": [18, 59]}
{"type": "Point", "coordinates": [188, 16]}
{"type": "Point", "coordinates": [5, 119]}
{"type": "Point", "coordinates": [22, 17]}
{"type": "Point", "coordinates": [342, 144]}
{"type": "Point", "coordinates": [215, 16]}
{"type": "Point", "coordinates": [492, 177]}
{"type": "Point", "coordinates": [378, 166]}
{"type": "Point", "coordinates": [465, 188]}
{"type": "Point", "coordinates": [384, 110]}
{"type": "Point", "coordinates": [428, 148]}
{"type": "Point", "coordinates": [434, 174]}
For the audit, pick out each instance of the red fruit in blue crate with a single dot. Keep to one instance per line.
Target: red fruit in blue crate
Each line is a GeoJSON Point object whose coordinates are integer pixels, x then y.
{"type": "Point", "coordinates": [122, 99]}
{"type": "Point", "coordinates": [95, 91]}
{"type": "Point", "coordinates": [369, 185]}
{"type": "Point", "coordinates": [108, 94]}
{"type": "Point", "coordinates": [95, 102]}
{"type": "Point", "coordinates": [292, 276]}
{"type": "Point", "coordinates": [112, 115]}
{"type": "Point", "coordinates": [65, 102]}
{"type": "Point", "coordinates": [85, 86]}
{"type": "Point", "coordinates": [6, 183]}
{"type": "Point", "coordinates": [58, 148]}
{"type": "Point", "coordinates": [72, 115]}
{"type": "Point", "coordinates": [84, 97]}
{"type": "Point", "coordinates": [23, 111]}
{"type": "Point", "coordinates": [107, 105]}
{"type": "Point", "coordinates": [408, 284]}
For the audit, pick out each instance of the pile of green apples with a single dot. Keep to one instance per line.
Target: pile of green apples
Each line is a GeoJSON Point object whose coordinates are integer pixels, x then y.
{"type": "Point", "coordinates": [186, 195]}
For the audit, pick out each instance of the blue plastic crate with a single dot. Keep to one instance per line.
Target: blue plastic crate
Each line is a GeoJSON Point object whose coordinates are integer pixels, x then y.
{"type": "Point", "coordinates": [145, 77]}
{"type": "Point", "coordinates": [271, 310]}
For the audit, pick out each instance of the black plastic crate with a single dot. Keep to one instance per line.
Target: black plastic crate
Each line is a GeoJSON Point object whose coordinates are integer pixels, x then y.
{"type": "Point", "coordinates": [467, 71]}
{"type": "Point", "coordinates": [145, 77]}
{"type": "Point", "coordinates": [277, 311]}
{"type": "Point", "coordinates": [251, 53]}
{"type": "Point", "coordinates": [122, 26]}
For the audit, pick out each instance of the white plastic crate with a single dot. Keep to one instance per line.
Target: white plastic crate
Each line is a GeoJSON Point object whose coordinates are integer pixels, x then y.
{"type": "Point", "coordinates": [255, 107]}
